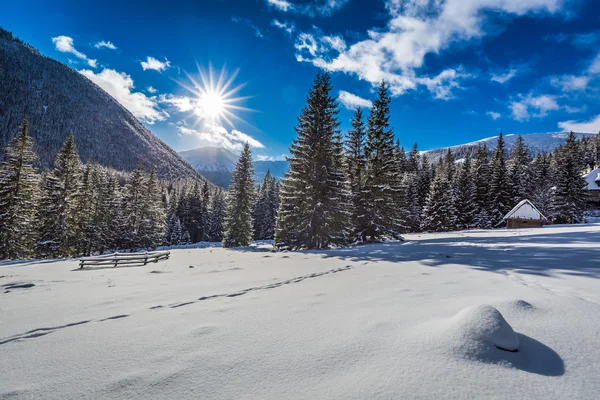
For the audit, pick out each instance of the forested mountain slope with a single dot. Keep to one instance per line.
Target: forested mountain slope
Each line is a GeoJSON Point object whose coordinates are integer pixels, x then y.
{"type": "Point", "coordinates": [57, 100]}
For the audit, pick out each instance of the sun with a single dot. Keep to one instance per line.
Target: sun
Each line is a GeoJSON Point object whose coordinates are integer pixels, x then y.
{"type": "Point", "coordinates": [216, 99]}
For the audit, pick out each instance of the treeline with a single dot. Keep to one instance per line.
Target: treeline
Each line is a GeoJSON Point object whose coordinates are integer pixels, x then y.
{"type": "Point", "coordinates": [365, 187]}
{"type": "Point", "coordinates": [75, 209]}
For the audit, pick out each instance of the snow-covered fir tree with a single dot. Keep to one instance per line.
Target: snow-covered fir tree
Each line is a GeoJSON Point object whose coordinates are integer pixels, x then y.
{"type": "Point", "coordinates": [133, 208]}
{"type": "Point", "coordinates": [19, 193]}
{"type": "Point", "coordinates": [465, 207]}
{"type": "Point", "coordinates": [481, 178]}
{"type": "Point", "coordinates": [237, 228]}
{"type": "Point", "coordinates": [437, 214]}
{"type": "Point", "coordinates": [383, 175]}
{"type": "Point", "coordinates": [217, 215]}
{"type": "Point", "coordinates": [67, 169]}
{"type": "Point", "coordinates": [570, 195]}
{"type": "Point", "coordinates": [204, 212]}
{"type": "Point", "coordinates": [542, 183]}
{"type": "Point", "coordinates": [500, 188]}
{"type": "Point", "coordinates": [315, 199]}
{"type": "Point", "coordinates": [265, 208]}
{"type": "Point", "coordinates": [152, 224]}
{"type": "Point", "coordinates": [355, 164]}
{"type": "Point", "coordinates": [519, 173]}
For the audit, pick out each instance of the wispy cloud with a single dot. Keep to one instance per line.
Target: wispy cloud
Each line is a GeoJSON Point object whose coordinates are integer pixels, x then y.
{"type": "Point", "coordinates": [317, 7]}
{"type": "Point", "coordinates": [262, 157]}
{"type": "Point", "coordinates": [533, 106]}
{"type": "Point", "coordinates": [352, 101]}
{"type": "Point", "coordinates": [591, 126]}
{"type": "Point", "coordinates": [288, 27]}
{"type": "Point", "coordinates": [154, 64]}
{"type": "Point", "coordinates": [120, 86]}
{"type": "Point", "coordinates": [494, 115]}
{"type": "Point", "coordinates": [108, 45]}
{"type": "Point", "coordinates": [414, 30]}
{"type": "Point", "coordinates": [152, 90]}
{"type": "Point", "coordinates": [64, 44]}
{"type": "Point", "coordinates": [505, 77]}
{"type": "Point", "coordinates": [570, 83]}
{"type": "Point", "coordinates": [217, 135]}
{"type": "Point", "coordinates": [249, 24]}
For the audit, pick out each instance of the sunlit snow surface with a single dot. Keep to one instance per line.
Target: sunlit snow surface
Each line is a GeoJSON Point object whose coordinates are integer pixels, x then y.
{"type": "Point", "coordinates": [388, 321]}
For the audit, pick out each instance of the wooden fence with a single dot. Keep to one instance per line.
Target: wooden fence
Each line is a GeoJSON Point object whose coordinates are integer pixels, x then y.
{"type": "Point", "coordinates": [124, 259]}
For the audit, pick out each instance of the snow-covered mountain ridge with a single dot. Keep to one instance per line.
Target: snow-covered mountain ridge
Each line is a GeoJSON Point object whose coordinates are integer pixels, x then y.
{"type": "Point", "coordinates": [536, 143]}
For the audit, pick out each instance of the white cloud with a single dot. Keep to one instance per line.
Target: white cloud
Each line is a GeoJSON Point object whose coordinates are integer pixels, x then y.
{"type": "Point", "coordinates": [570, 83]}
{"type": "Point", "coordinates": [150, 89]}
{"type": "Point", "coordinates": [120, 86]}
{"type": "Point", "coordinates": [494, 115]}
{"type": "Point", "coordinates": [414, 30]}
{"type": "Point", "coordinates": [591, 126]}
{"type": "Point", "coordinates": [156, 65]}
{"type": "Point", "coordinates": [180, 103]}
{"type": "Point", "coordinates": [317, 7]}
{"type": "Point", "coordinates": [216, 135]}
{"type": "Point", "coordinates": [262, 157]}
{"type": "Point", "coordinates": [595, 65]}
{"type": "Point", "coordinates": [533, 106]}
{"type": "Point", "coordinates": [108, 45]}
{"type": "Point", "coordinates": [352, 101]}
{"type": "Point", "coordinates": [64, 44]}
{"type": "Point", "coordinates": [248, 23]}
{"type": "Point", "coordinates": [288, 27]}
{"type": "Point", "coordinates": [503, 78]}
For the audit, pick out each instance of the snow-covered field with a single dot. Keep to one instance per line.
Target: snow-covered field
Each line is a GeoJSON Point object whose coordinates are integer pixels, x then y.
{"type": "Point", "coordinates": [387, 321]}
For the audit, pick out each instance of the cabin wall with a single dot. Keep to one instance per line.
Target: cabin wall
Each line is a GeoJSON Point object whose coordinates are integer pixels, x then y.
{"type": "Point", "coordinates": [518, 223]}
{"type": "Point", "coordinates": [526, 212]}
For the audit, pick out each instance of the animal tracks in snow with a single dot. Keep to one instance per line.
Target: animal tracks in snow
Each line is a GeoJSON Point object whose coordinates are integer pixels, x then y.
{"type": "Point", "coordinates": [256, 288]}
{"type": "Point", "coordinates": [45, 331]}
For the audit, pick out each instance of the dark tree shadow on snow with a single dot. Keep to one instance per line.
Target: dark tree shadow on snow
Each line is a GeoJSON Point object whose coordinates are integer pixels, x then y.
{"type": "Point", "coordinates": [515, 252]}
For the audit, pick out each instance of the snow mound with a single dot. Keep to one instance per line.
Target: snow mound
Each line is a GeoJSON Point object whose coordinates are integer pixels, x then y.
{"type": "Point", "coordinates": [483, 326]}
{"type": "Point", "coordinates": [520, 306]}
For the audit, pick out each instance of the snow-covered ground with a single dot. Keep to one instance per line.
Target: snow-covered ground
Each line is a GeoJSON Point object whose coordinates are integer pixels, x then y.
{"type": "Point", "coordinates": [386, 321]}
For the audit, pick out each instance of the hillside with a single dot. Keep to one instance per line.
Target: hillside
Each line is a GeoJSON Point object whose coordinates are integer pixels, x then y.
{"type": "Point", "coordinates": [217, 164]}
{"type": "Point", "coordinates": [536, 143]}
{"type": "Point", "coordinates": [57, 100]}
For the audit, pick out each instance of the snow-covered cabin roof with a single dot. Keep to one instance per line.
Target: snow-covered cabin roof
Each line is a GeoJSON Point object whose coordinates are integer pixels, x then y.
{"type": "Point", "coordinates": [524, 210]}
{"type": "Point", "coordinates": [592, 180]}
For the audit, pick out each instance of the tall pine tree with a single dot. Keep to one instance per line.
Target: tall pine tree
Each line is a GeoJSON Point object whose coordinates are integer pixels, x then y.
{"type": "Point", "coordinates": [500, 188]}
{"type": "Point", "coordinates": [383, 176]}
{"type": "Point", "coordinates": [355, 164]}
{"type": "Point", "coordinates": [315, 200]}
{"type": "Point", "coordinates": [570, 195]}
{"type": "Point", "coordinates": [19, 193]}
{"type": "Point", "coordinates": [238, 218]}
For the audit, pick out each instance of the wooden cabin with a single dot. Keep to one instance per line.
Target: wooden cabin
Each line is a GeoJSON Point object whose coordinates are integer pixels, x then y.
{"type": "Point", "coordinates": [524, 215]}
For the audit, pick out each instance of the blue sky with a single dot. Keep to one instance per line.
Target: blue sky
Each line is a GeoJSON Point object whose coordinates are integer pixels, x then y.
{"type": "Point", "coordinates": [460, 70]}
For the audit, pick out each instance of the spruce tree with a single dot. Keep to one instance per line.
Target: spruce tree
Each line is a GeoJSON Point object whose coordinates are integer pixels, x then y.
{"type": "Point", "coordinates": [152, 223]}
{"type": "Point", "coordinates": [542, 192]}
{"type": "Point", "coordinates": [519, 173]}
{"type": "Point", "coordinates": [437, 214]}
{"type": "Point", "coordinates": [355, 163]}
{"type": "Point", "coordinates": [48, 217]}
{"type": "Point", "coordinates": [570, 194]}
{"type": "Point", "coordinates": [194, 211]}
{"type": "Point", "coordinates": [500, 189]}
{"type": "Point", "coordinates": [204, 212]}
{"type": "Point", "coordinates": [238, 217]}
{"type": "Point", "coordinates": [85, 203]}
{"type": "Point", "coordinates": [315, 199]}
{"type": "Point", "coordinates": [482, 177]}
{"type": "Point", "coordinates": [217, 215]}
{"type": "Point", "coordinates": [383, 175]}
{"type": "Point", "coordinates": [19, 194]}
{"type": "Point", "coordinates": [465, 193]}
{"type": "Point", "coordinates": [113, 218]}
{"type": "Point", "coordinates": [67, 170]}
{"type": "Point", "coordinates": [414, 157]}
{"type": "Point", "coordinates": [265, 209]}
{"type": "Point", "coordinates": [133, 209]}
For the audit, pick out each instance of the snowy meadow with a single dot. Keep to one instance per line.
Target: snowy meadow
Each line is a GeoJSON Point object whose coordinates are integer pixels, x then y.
{"type": "Point", "coordinates": [392, 320]}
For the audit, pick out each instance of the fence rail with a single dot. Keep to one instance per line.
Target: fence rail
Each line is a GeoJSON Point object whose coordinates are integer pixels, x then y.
{"type": "Point", "coordinates": [115, 259]}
